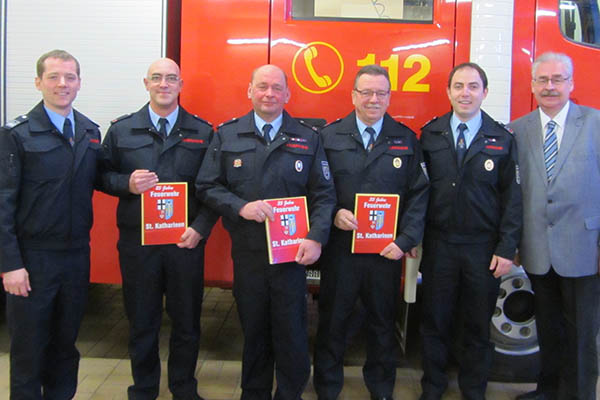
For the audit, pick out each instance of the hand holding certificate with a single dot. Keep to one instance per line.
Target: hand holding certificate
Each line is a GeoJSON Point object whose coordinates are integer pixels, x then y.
{"type": "Point", "coordinates": [164, 213]}
{"type": "Point", "coordinates": [288, 229]}
{"type": "Point", "coordinates": [377, 216]}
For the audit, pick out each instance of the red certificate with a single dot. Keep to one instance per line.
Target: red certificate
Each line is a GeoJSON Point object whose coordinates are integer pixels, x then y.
{"type": "Point", "coordinates": [164, 213]}
{"type": "Point", "coordinates": [377, 216]}
{"type": "Point", "coordinates": [288, 230]}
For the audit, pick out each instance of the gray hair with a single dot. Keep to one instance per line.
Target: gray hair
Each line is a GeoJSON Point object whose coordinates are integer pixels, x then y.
{"type": "Point", "coordinates": [550, 56]}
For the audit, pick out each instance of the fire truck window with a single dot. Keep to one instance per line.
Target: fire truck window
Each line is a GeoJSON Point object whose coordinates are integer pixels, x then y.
{"type": "Point", "coordinates": [580, 21]}
{"type": "Point", "coordinates": [364, 10]}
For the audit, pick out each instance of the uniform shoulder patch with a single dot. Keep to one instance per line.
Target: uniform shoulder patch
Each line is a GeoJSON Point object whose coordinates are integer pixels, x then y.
{"type": "Point", "coordinates": [121, 118]}
{"type": "Point", "coordinates": [231, 121]}
{"type": "Point", "coordinates": [16, 122]}
{"type": "Point", "coordinates": [429, 122]}
{"type": "Point", "coordinates": [202, 120]}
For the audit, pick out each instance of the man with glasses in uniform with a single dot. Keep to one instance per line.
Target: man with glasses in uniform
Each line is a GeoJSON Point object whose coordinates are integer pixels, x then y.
{"type": "Point", "coordinates": [161, 142]}
{"type": "Point", "coordinates": [368, 152]}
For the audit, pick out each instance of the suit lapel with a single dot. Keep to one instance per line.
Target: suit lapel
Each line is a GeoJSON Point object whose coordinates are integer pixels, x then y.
{"type": "Point", "coordinates": [533, 132]}
{"type": "Point", "coordinates": [571, 131]}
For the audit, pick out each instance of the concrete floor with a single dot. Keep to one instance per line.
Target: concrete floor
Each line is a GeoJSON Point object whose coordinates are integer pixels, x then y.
{"type": "Point", "coordinates": [105, 374]}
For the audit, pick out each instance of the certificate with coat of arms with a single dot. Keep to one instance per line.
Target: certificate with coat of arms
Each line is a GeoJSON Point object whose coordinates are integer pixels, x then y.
{"type": "Point", "coordinates": [164, 213]}
{"type": "Point", "coordinates": [288, 229]}
{"type": "Point", "coordinates": [377, 216]}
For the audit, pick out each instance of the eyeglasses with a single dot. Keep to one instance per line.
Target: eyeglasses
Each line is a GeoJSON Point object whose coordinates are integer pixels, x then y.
{"type": "Point", "coordinates": [556, 80]}
{"type": "Point", "coordinates": [157, 78]}
{"type": "Point", "coordinates": [367, 93]}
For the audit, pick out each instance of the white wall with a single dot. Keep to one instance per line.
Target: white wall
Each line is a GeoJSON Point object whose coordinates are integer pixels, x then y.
{"type": "Point", "coordinates": [491, 48]}
{"type": "Point", "coordinates": [114, 40]}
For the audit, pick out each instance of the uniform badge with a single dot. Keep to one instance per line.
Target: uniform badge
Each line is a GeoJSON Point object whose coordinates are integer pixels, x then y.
{"type": "Point", "coordinates": [299, 166]}
{"type": "Point", "coordinates": [397, 162]}
{"type": "Point", "coordinates": [237, 163]}
{"type": "Point", "coordinates": [488, 165]}
{"type": "Point", "coordinates": [517, 174]}
{"type": "Point", "coordinates": [325, 168]}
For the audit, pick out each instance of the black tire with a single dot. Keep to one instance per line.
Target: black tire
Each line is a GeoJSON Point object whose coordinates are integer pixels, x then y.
{"type": "Point", "coordinates": [513, 331]}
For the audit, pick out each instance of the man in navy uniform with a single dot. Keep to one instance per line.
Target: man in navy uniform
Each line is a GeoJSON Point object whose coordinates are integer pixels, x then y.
{"type": "Point", "coordinates": [371, 153]}
{"type": "Point", "coordinates": [267, 154]}
{"type": "Point", "coordinates": [472, 231]}
{"type": "Point", "coordinates": [160, 142]}
{"type": "Point", "coordinates": [48, 170]}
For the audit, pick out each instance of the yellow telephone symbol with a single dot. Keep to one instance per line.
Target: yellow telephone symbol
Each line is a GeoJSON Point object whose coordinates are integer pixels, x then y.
{"type": "Point", "coordinates": [321, 81]}
{"type": "Point", "coordinates": [314, 82]}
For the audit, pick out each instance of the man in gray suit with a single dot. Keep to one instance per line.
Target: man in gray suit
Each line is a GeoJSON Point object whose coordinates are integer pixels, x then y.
{"type": "Point", "coordinates": [559, 157]}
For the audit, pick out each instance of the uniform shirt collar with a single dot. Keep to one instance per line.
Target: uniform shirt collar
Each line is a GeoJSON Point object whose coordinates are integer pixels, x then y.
{"type": "Point", "coordinates": [473, 126]}
{"type": "Point", "coordinates": [365, 135]}
{"type": "Point", "coordinates": [171, 119]}
{"type": "Point", "coordinates": [276, 124]}
{"type": "Point", "coordinates": [58, 120]}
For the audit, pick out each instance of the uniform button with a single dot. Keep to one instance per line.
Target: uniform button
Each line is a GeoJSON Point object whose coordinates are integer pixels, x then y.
{"type": "Point", "coordinates": [549, 201]}
{"type": "Point", "coordinates": [453, 184]}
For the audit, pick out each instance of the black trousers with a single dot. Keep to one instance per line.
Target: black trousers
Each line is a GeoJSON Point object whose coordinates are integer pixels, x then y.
{"type": "Point", "coordinates": [345, 278]}
{"type": "Point", "coordinates": [43, 327]}
{"type": "Point", "coordinates": [149, 272]}
{"type": "Point", "coordinates": [271, 302]}
{"type": "Point", "coordinates": [457, 286]}
{"type": "Point", "coordinates": [566, 312]}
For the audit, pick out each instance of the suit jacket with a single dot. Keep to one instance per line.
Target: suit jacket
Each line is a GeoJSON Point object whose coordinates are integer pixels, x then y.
{"type": "Point", "coordinates": [561, 219]}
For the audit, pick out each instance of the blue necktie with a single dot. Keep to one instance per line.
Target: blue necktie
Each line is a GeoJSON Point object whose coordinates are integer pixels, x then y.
{"type": "Point", "coordinates": [461, 144]}
{"type": "Point", "coordinates": [371, 142]}
{"type": "Point", "coordinates": [68, 131]}
{"type": "Point", "coordinates": [266, 132]}
{"type": "Point", "coordinates": [162, 128]}
{"type": "Point", "coordinates": [550, 148]}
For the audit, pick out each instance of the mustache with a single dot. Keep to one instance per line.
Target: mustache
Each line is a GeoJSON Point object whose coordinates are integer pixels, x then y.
{"type": "Point", "coordinates": [547, 92]}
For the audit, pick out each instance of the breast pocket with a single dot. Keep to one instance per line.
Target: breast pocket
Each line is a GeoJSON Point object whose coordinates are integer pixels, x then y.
{"type": "Point", "coordinates": [393, 165]}
{"type": "Point", "coordinates": [438, 157]}
{"type": "Point", "coordinates": [136, 152]}
{"type": "Point", "coordinates": [189, 156]}
{"type": "Point", "coordinates": [485, 165]}
{"type": "Point", "coordinates": [342, 158]}
{"type": "Point", "coordinates": [46, 158]}
{"type": "Point", "coordinates": [296, 161]}
{"type": "Point", "coordinates": [239, 160]}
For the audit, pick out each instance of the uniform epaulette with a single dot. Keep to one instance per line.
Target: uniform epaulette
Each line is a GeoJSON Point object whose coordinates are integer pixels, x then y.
{"type": "Point", "coordinates": [306, 124]}
{"type": "Point", "coordinates": [429, 122]}
{"type": "Point", "coordinates": [16, 122]}
{"type": "Point", "coordinates": [506, 128]}
{"type": "Point", "coordinates": [202, 120]}
{"type": "Point", "coordinates": [122, 117]}
{"type": "Point", "coordinates": [231, 121]}
{"type": "Point", "coordinates": [333, 122]}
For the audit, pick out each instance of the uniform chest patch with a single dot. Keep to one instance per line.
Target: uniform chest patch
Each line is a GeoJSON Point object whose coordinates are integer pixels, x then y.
{"type": "Point", "coordinates": [325, 169]}
{"type": "Point", "coordinates": [298, 165]}
{"type": "Point", "coordinates": [488, 165]}
{"type": "Point", "coordinates": [237, 163]}
{"type": "Point", "coordinates": [397, 162]}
